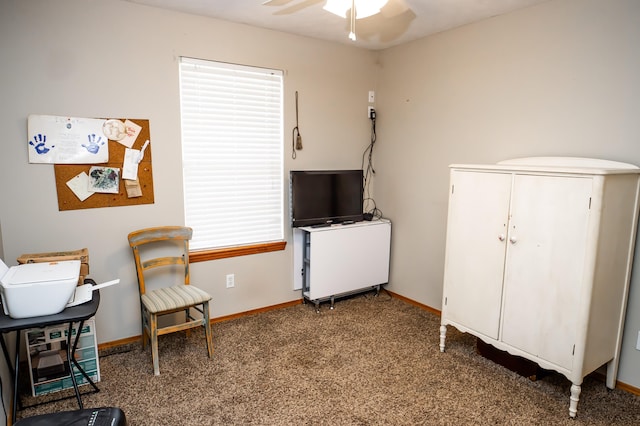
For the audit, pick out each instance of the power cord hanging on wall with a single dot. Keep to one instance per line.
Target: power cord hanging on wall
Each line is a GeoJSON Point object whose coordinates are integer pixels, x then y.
{"type": "Point", "coordinates": [296, 137]}
{"type": "Point", "coordinates": [370, 212]}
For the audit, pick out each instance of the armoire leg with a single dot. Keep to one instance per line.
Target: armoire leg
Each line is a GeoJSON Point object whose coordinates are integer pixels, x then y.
{"type": "Point", "coordinates": [575, 397]}
{"type": "Point", "coordinates": [443, 336]}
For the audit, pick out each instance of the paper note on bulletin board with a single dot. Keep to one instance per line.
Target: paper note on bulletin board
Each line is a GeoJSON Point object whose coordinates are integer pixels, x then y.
{"type": "Point", "coordinates": [64, 173]}
{"type": "Point", "coordinates": [66, 140]}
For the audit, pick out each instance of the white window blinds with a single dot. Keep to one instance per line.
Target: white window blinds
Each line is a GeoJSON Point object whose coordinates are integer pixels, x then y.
{"type": "Point", "coordinates": [232, 147]}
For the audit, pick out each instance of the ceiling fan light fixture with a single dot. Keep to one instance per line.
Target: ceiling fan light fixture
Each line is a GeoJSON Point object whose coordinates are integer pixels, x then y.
{"type": "Point", "coordinates": [337, 7]}
{"type": "Point", "coordinates": [364, 8]}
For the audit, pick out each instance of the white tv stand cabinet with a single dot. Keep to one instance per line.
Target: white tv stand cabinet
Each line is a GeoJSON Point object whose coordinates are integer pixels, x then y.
{"type": "Point", "coordinates": [340, 259]}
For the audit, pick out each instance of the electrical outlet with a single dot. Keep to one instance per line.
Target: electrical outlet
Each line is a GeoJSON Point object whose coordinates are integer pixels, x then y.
{"type": "Point", "coordinates": [372, 96]}
{"type": "Point", "coordinates": [231, 280]}
{"type": "Point", "coordinates": [371, 113]}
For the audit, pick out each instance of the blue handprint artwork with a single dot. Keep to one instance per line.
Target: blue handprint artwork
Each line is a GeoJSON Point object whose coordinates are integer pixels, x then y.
{"type": "Point", "coordinates": [66, 140]}
{"type": "Point", "coordinates": [39, 143]}
{"type": "Point", "coordinates": [95, 142]}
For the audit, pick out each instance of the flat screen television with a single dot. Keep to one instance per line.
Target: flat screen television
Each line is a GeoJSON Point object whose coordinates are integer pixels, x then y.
{"type": "Point", "coordinates": [324, 197]}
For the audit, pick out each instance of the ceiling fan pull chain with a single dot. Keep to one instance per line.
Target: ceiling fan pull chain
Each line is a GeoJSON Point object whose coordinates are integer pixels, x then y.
{"type": "Point", "coordinates": [352, 33]}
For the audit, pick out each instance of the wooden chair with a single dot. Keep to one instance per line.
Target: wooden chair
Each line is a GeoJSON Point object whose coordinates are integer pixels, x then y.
{"type": "Point", "coordinates": [167, 299]}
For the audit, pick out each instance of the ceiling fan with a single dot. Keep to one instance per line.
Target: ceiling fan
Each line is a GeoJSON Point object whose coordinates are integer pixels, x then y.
{"type": "Point", "coordinates": [386, 18]}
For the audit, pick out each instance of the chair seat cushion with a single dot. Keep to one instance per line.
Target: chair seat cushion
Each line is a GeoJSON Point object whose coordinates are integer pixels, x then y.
{"type": "Point", "coordinates": [176, 297]}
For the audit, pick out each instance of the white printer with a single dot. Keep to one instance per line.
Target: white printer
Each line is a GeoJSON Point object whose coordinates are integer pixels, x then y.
{"type": "Point", "coordinates": [37, 289]}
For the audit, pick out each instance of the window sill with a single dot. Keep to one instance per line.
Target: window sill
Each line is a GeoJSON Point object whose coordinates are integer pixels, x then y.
{"type": "Point", "coordinates": [204, 255]}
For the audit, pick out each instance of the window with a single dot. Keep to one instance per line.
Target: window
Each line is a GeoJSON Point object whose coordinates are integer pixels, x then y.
{"type": "Point", "coordinates": [232, 154]}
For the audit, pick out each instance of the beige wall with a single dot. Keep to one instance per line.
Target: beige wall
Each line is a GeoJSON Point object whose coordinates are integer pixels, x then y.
{"type": "Point", "coordinates": [118, 59]}
{"type": "Point", "coordinates": [560, 78]}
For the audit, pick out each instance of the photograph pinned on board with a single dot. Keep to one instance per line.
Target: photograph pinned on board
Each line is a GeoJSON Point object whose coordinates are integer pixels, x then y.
{"type": "Point", "coordinates": [104, 179]}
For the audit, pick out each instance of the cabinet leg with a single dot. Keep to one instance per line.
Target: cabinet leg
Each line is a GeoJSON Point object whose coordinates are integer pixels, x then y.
{"type": "Point", "coordinates": [573, 400]}
{"type": "Point", "coordinates": [443, 336]}
{"type": "Point", "coordinates": [317, 307]}
{"type": "Point", "coordinates": [333, 299]}
{"type": "Point", "coordinates": [612, 373]}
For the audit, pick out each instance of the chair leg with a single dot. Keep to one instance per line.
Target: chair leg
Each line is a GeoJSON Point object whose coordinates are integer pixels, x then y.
{"type": "Point", "coordinates": [207, 328]}
{"type": "Point", "coordinates": [144, 320]}
{"type": "Point", "coordinates": [187, 319]}
{"type": "Point", "coordinates": [154, 343]}
{"type": "Point", "coordinates": [145, 331]}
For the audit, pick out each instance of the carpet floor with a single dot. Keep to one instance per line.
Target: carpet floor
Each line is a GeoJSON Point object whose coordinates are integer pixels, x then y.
{"type": "Point", "coordinates": [373, 360]}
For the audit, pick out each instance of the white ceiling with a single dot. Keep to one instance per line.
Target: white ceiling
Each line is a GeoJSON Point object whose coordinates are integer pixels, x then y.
{"type": "Point", "coordinates": [396, 25]}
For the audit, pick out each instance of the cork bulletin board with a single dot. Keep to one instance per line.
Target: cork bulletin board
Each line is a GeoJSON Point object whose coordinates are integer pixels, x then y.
{"type": "Point", "coordinates": [67, 200]}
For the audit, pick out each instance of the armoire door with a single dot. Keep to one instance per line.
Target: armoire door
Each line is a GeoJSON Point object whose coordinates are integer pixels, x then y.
{"type": "Point", "coordinates": [544, 268]}
{"type": "Point", "coordinates": [475, 250]}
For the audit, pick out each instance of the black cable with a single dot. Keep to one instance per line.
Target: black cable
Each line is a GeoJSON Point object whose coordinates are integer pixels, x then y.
{"type": "Point", "coordinates": [296, 137]}
{"type": "Point", "coordinates": [375, 212]}
{"type": "Point", "coordinates": [369, 171]}
{"type": "Point", "coordinates": [383, 288]}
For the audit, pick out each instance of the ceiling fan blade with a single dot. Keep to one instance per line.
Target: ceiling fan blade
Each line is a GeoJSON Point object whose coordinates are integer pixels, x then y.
{"type": "Point", "coordinates": [383, 28]}
{"type": "Point", "coordinates": [394, 8]}
{"type": "Point", "coordinates": [275, 2]}
{"type": "Point", "coordinates": [296, 7]}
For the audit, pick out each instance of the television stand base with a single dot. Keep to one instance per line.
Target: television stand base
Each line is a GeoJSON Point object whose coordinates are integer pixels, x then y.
{"type": "Point", "coordinates": [321, 225]}
{"type": "Point", "coordinates": [332, 298]}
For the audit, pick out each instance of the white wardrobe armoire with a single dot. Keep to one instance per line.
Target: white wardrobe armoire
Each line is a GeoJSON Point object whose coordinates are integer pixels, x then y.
{"type": "Point", "coordinates": [538, 260]}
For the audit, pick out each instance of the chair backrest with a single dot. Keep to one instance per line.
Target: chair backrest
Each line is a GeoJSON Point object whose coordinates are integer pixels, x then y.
{"type": "Point", "coordinates": [157, 236]}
